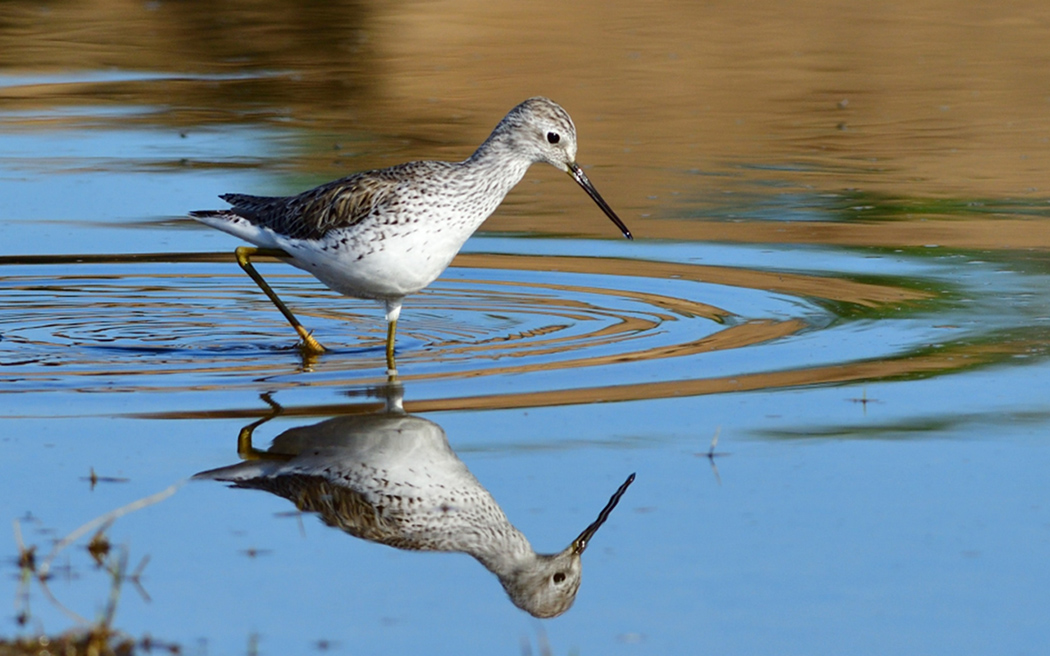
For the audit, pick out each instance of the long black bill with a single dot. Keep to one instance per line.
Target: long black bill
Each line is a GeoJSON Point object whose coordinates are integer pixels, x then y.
{"type": "Point", "coordinates": [577, 174]}
{"type": "Point", "coordinates": [580, 543]}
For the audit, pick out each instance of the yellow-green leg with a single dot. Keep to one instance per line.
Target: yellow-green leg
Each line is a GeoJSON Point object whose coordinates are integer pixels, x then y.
{"type": "Point", "coordinates": [244, 255]}
{"type": "Point", "coordinates": [391, 366]}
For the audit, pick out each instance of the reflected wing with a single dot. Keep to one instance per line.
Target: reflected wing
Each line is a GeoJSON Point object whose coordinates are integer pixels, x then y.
{"type": "Point", "coordinates": [340, 507]}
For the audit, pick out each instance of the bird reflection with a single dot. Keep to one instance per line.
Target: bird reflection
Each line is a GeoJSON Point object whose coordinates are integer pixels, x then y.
{"type": "Point", "coordinates": [391, 477]}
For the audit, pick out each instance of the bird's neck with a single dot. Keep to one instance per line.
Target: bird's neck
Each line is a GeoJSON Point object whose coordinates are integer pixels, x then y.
{"type": "Point", "coordinates": [499, 162]}
{"type": "Point", "coordinates": [503, 551]}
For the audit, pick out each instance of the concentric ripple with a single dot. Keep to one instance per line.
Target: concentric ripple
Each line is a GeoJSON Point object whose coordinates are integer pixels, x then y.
{"type": "Point", "coordinates": [171, 322]}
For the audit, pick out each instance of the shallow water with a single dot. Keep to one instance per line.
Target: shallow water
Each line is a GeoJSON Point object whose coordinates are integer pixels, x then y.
{"type": "Point", "coordinates": [840, 270]}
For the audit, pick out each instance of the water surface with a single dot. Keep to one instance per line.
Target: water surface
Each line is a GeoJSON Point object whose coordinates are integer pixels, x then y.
{"type": "Point", "coordinates": [840, 270]}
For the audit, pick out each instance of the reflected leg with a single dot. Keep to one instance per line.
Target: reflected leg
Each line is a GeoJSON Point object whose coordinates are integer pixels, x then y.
{"type": "Point", "coordinates": [244, 438]}
{"type": "Point", "coordinates": [244, 254]}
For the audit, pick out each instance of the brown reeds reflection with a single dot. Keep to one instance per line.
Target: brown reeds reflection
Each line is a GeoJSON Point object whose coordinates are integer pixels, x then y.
{"type": "Point", "coordinates": [934, 97]}
{"type": "Point", "coordinates": [392, 478]}
{"type": "Point", "coordinates": [204, 62]}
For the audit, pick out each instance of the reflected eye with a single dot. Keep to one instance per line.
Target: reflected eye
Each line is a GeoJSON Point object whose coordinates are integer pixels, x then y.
{"type": "Point", "coordinates": [553, 137]}
{"type": "Point", "coordinates": [559, 576]}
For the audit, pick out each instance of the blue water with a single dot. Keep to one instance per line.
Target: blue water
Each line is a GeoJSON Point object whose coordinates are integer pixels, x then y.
{"type": "Point", "coordinates": [879, 479]}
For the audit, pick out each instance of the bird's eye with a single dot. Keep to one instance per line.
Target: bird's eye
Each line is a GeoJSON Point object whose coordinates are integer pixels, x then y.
{"type": "Point", "coordinates": [553, 137]}
{"type": "Point", "coordinates": [559, 576]}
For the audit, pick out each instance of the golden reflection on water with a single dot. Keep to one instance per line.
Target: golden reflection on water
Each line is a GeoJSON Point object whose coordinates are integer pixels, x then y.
{"type": "Point", "coordinates": [836, 289]}
{"type": "Point", "coordinates": [953, 359]}
{"type": "Point", "coordinates": [142, 313]}
{"type": "Point", "coordinates": [919, 363]}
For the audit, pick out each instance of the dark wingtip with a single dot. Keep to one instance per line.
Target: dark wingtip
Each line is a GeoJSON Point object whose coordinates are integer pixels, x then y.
{"type": "Point", "coordinates": [203, 214]}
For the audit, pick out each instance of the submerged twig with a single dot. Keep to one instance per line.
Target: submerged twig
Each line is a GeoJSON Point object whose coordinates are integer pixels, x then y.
{"type": "Point", "coordinates": [99, 545]}
{"type": "Point", "coordinates": [27, 569]}
{"type": "Point", "coordinates": [94, 479]}
{"type": "Point", "coordinates": [105, 519]}
{"type": "Point", "coordinates": [100, 550]}
{"type": "Point", "coordinates": [712, 454]}
{"type": "Point", "coordinates": [136, 579]}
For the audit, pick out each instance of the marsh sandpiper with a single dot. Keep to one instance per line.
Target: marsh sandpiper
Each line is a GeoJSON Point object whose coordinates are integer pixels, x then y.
{"type": "Point", "coordinates": [386, 233]}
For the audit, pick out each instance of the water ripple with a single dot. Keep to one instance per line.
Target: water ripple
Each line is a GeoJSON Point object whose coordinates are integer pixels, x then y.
{"type": "Point", "coordinates": [181, 322]}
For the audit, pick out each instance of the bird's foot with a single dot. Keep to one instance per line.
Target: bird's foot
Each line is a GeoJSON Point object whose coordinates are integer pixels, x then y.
{"type": "Point", "coordinates": [309, 345]}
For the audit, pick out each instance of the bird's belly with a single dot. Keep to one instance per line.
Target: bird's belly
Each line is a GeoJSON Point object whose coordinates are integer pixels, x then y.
{"type": "Point", "coordinates": [378, 268]}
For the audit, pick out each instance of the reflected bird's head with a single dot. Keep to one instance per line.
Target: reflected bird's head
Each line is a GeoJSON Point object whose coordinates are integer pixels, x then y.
{"type": "Point", "coordinates": [548, 586]}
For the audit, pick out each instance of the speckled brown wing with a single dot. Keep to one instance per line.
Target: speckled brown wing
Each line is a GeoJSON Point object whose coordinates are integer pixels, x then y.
{"type": "Point", "coordinates": [339, 507]}
{"type": "Point", "coordinates": [312, 214]}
